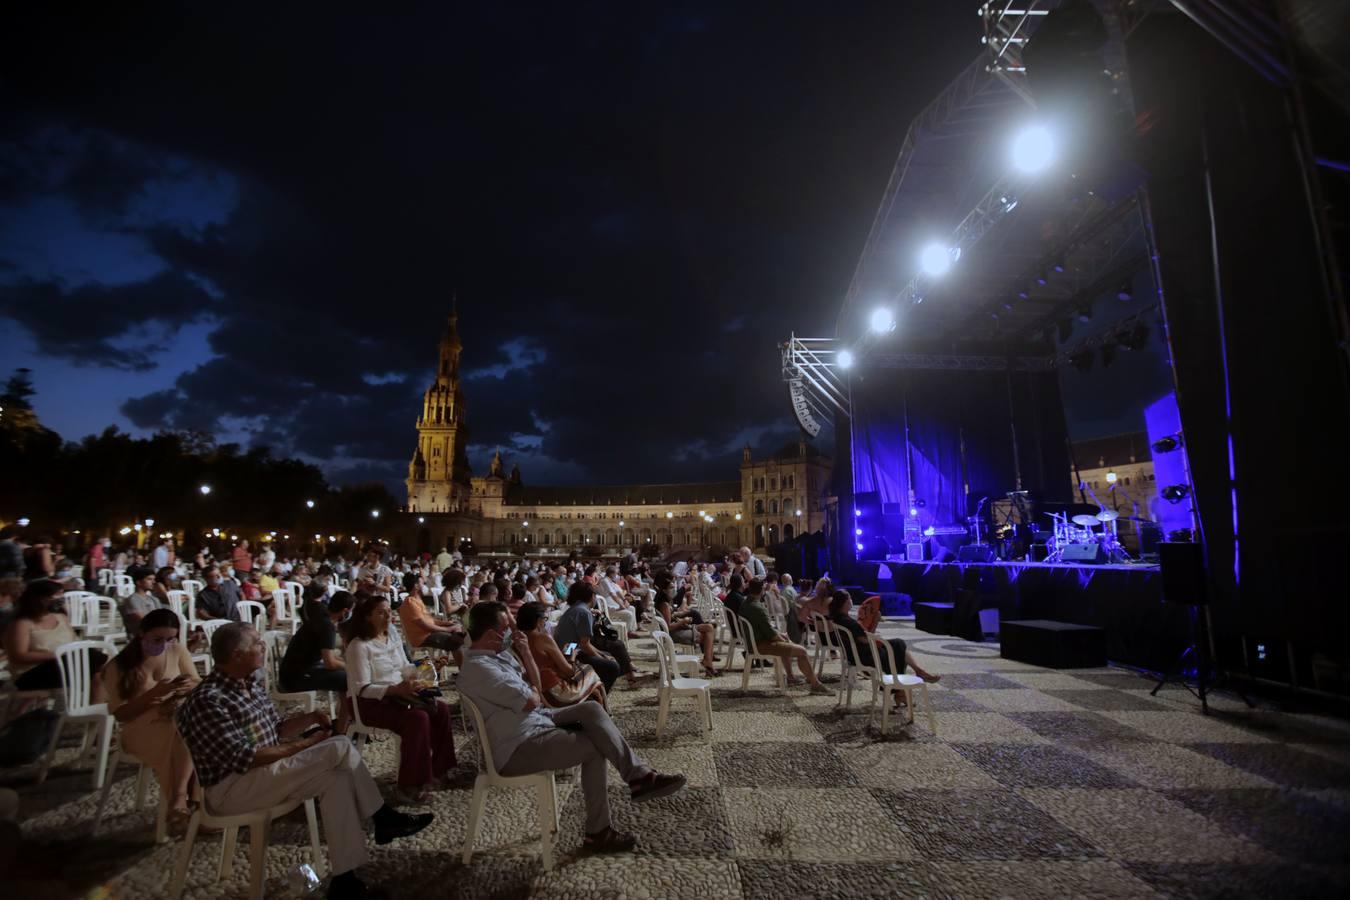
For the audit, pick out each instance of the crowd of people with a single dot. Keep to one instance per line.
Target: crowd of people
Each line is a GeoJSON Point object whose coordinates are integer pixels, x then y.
{"type": "Point", "coordinates": [537, 647]}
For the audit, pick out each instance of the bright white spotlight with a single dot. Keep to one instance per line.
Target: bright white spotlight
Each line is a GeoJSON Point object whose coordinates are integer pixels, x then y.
{"type": "Point", "coordinates": [844, 359]}
{"type": "Point", "coordinates": [935, 260]}
{"type": "Point", "coordinates": [882, 320]}
{"type": "Point", "coordinates": [1033, 149]}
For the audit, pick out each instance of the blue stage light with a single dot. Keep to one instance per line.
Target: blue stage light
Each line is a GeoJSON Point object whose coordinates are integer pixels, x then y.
{"type": "Point", "coordinates": [859, 546]}
{"type": "Point", "coordinates": [857, 513]}
{"type": "Point", "coordinates": [913, 511]}
{"type": "Point", "coordinates": [858, 532]}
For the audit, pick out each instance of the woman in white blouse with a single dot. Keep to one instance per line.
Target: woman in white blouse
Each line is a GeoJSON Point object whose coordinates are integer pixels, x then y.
{"type": "Point", "coordinates": [378, 679]}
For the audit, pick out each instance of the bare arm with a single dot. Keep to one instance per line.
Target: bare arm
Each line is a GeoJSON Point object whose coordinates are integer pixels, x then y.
{"type": "Point", "coordinates": [265, 756]}
{"type": "Point", "coordinates": [17, 640]}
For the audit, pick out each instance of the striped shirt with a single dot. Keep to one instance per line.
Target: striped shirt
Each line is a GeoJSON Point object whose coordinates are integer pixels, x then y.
{"type": "Point", "coordinates": [223, 722]}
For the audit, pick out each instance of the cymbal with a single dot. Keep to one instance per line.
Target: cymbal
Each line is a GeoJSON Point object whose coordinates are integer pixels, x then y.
{"type": "Point", "coordinates": [1086, 521]}
{"type": "Point", "coordinates": [1108, 515]}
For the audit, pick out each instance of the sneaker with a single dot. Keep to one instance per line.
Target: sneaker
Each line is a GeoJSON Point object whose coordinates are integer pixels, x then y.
{"type": "Point", "coordinates": [819, 688]}
{"type": "Point", "coordinates": [397, 825]}
{"type": "Point", "coordinates": [657, 785]}
{"type": "Point", "coordinates": [609, 841]}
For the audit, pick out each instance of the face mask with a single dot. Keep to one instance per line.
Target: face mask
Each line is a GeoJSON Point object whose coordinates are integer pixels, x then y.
{"type": "Point", "coordinates": [153, 648]}
{"type": "Point", "coordinates": [506, 638]}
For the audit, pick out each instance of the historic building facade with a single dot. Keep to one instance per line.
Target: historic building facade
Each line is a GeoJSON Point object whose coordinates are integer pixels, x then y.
{"type": "Point", "coordinates": [775, 498]}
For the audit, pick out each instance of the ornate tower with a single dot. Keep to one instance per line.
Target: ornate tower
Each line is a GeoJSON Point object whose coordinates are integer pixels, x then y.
{"type": "Point", "coordinates": [438, 475]}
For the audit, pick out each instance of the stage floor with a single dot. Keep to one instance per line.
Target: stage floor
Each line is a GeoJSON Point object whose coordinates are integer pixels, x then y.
{"type": "Point", "coordinates": [1022, 564]}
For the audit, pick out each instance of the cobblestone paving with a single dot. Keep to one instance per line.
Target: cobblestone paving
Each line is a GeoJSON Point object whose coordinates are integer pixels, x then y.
{"type": "Point", "coordinates": [1037, 784]}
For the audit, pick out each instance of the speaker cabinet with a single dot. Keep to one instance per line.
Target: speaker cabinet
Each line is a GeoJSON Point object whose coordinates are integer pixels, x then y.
{"type": "Point", "coordinates": [1092, 554]}
{"type": "Point", "coordinates": [975, 553]}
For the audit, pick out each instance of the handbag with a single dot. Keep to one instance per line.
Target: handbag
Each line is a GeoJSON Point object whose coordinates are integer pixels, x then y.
{"type": "Point", "coordinates": [575, 687]}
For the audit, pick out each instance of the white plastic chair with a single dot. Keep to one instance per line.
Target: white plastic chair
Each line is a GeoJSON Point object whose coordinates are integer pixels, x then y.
{"type": "Point", "coordinates": [251, 612]}
{"type": "Point", "coordinates": [359, 731]}
{"type": "Point", "coordinates": [143, 775]}
{"type": "Point", "coordinates": [77, 684]}
{"type": "Point", "coordinates": [276, 650]}
{"type": "Point", "coordinates": [102, 621]}
{"type": "Point", "coordinates": [889, 684]}
{"type": "Point", "coordinates": [620, 628]}
{"type": "Point", "coordinates": [852, 667]}
{"type": "Point", "coordinates": [123, 585]}
{"type": "Point", "coordinates": [209, 628]}
{"type": "Point", "coordinates": [259, 825]}
{"type": "Point", "coordinates": [672, 685]}
{"type": "Point", "coordinates": [746, 640]}
{"type": "Point", "coordinates": [179, 601]}
{"type": "Point", "coordinates": [75, 607]}
{"type": "Point", "coordinates": [828, 639]}
{"type": "Point", "coordinates": [683, 661]}
{"type": "Point", "coordinates": [488, 778]}
{"type": "Point", "coordinates": [286, 614]}
{"type": "Point", "coordinates": [193, 588]}
{"type": "Point", "coordinates": [105, 577]}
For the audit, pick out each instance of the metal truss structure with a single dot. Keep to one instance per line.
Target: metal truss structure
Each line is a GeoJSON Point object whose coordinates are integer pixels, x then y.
{"type": "Point", "coordinates": [811, 371]}
{"type": "Point", "coordinates": [1007, 25]}
{"type": "Point", "coordinates": [962, 363]}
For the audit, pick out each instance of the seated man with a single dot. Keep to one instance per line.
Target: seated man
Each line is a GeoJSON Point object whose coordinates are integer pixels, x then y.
{"type": "Point", "coordinates": [141, 600]}
{"type": "Point", "coordinates": [769, 642]}
{"type": "Point", "coordinates": [312, 661]}
{"type": "Point", "coordinates": [247, 757]}
{"type": "Point", "coordinates": [607, 656]}
{"type": "Point", "coordinates": [219, 599]}
{"type": "Point", "coordinates": [420, 627]}
{"type": "Point", "coordinates": [618, 603]}
{"type": "Point", "coordinates": [528, 737]}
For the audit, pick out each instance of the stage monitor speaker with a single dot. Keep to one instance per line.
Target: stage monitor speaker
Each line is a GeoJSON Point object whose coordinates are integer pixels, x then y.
{"type": "Point", "coordinates": [1092, 554]}
{"type": "Point", "coordinates": [914, 552]}
{"type": "Point", "coordinates": [975, 553]}
{"type": "Point", "coordinates": [1183, 573]}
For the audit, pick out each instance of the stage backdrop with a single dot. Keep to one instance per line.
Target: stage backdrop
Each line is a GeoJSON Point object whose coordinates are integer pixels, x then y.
{"type": "Point", "coordinates": [960, 428]}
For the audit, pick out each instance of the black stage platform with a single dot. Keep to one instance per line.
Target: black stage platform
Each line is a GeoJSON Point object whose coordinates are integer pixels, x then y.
{"type": "Point", "coordinates": [1126, 600]}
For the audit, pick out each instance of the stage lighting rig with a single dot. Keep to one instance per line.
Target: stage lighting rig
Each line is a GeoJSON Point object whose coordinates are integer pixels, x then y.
{"type": "Point", "coordinates": [1175, 493]}
{"type": "Point", "coordinates": [1167, 444]}
{"type": "Point", "coordinates": [882, 321]}
{"type": "Point", "coordinates": [844, 359]}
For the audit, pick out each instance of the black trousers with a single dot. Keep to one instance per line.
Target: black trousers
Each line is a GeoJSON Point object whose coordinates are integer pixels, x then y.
{"type": "Point", "coordinates": [315, 679]}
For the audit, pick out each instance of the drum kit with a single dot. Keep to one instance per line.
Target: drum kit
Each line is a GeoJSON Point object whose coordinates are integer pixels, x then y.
{"type": "Point", "coordinates": [1081, 530]}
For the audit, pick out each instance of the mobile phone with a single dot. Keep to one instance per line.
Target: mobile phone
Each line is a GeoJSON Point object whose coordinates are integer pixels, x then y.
{"type": "Point", "coordinates": [570, 649]}
{"type": "Point", "coordinates": [313, 729]}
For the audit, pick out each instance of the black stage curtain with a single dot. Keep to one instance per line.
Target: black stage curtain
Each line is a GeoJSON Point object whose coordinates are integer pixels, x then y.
{"type": "Point", "coordinates": [1254, 329]}
{"type": "Point", "coordinates": [960, 427]}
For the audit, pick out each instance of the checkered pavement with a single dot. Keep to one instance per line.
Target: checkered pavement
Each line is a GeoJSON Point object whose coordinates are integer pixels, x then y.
{"type": "Point", "coordinates": [1038, 783]}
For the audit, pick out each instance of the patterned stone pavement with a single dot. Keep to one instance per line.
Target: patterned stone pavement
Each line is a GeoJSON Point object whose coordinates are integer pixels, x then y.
{"type": "Point", "coordinates": [1037, 783]}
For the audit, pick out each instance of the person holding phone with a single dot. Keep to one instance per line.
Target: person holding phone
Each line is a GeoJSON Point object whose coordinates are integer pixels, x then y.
{"type": "Point", "coordinates": [378, 677]}
{"type": "Point", "coordinates": [145, 683]}
{"type": "Point", "coordinates": [562, 682]}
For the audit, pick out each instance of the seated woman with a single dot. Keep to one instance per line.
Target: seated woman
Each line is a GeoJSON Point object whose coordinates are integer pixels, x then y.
{"type": "Point", "coordinates": [40, 625]}
{"type": "Point", "coordinates": [378, 677]}
{"type": "Point", "coordinates": [145, 683]}
{"type": "Point", "coordinates": [840, 606]}
{"type": "Point", "coordinates": [818, 602]}
{"type": "Point", "coordinates": [686, 625]}
{"type": "Point", "coordinates": [454, 595]}
{"type": "Point", "coordinates": [553, 666]}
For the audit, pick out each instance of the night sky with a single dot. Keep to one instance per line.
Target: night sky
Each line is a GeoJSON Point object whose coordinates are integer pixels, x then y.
{"type": "Point", "coordinates": [252, 221]}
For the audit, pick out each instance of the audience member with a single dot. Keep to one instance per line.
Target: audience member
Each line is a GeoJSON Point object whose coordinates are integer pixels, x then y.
{"type": "Point", "coordinates": [561, 682]}
{"type": "Point", "coordinates": [141, 600]}
{"type": "Point", "coordinates": [608, 656]}
{"type": "Point", "coordinates": [686, 625]}
{"type": "Point", "coordinates": [312, 661]}
{"type": "Point", "coordinates": [219, 599]}
{"type": "Point", "coordinates": [527, 737]}
{"type": "Point", "coordinates": [247, 758]}
{"type": "Point", "coordinates": [382, 684]}
{"type": "Point", "coordinates": [840, 606]}
{"type": "Point", "coordinates": [769, 642]}
{"type": "Point", "coordinates": [241, 559]}
{"type": "Point", "coordinates": [40, 625]}
{"type": "Point", "coordinates": [144, 684]}
{"type": "Point", "coordinates": [420, 627]}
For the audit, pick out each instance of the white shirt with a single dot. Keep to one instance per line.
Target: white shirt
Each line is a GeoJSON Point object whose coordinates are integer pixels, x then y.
{"type": "Point", "coordinates": [161, 557]}
{"type": "Point", "coordinates": [372, 666]}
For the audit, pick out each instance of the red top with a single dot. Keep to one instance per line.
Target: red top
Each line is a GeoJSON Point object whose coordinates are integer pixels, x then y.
{"type": "Point", "coordinates": [242, 561]}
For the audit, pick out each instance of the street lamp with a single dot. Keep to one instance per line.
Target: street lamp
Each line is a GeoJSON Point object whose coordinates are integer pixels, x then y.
{"type": "Point", "coordinates": [738, 517]}
{"type": "Point", "coordinates": [309, 503]}
{"type": "Point", "coordinates": [149, 523]}
{"type": "Point", "coordinates": [374, 513]}
{"type": "Point", "coordinates": [205, 489]}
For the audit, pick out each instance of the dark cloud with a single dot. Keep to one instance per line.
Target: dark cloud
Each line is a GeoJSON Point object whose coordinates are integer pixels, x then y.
{"type": "Point", "coordinates": [117, 326]}
{"type": "Point", "coordinates": [633, 209]}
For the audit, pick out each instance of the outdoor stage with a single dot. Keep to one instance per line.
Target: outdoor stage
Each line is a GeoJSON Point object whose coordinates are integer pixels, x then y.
{"type": "Point", "coordinates": [1126, 600]}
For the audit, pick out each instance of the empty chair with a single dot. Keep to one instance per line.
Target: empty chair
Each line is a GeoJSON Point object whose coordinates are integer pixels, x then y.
{"type": "Point", "coordinates": [542, 782]}
{"type": "Point", "coordinates": [253, 613]}
{"type": "Point", "coordinates": [672, 685]}
{"type": "Point", "coordinates": [884, 655]}
{"type": "Point", "coordinates": [76, 608]}
{"type": "Point", "coordinates": [285, 614]}
{"type": "Point", "coordinates": [102, 621]}
{"type": "Point", "coordinates": [683, 661]}
{"type": "Point", "coordinates": [746, 639]}
{"type": "Point", "coordinates": [77, 683]}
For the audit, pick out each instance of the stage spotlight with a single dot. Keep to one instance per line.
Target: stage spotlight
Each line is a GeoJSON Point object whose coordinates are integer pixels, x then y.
{"type": "Point", "coordinates": [844, 359]}
{"type": "Point", "coordinates": [1175, 493]}
{"type": "Point", "coordinates": [935, 259]}
{"type": "Point", "coordinates": [1082, 360]}
{"type": "Point", "coordinates": [1125, 293]}
{"type": "Point", "coordinates": [882, 320]}
{"type": "Point", "coordinates": [859, 546]}
{"type": "Point", "coordinates": [1033, 149]}
{"type": "Point", "coordinates": [1167, 444]}
{"type": "Point", "coordinates": [913, 511]}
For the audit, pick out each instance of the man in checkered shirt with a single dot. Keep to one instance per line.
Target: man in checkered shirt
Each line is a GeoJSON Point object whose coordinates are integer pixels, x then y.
{"type": "Point", "coordinates": [248, 758]}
